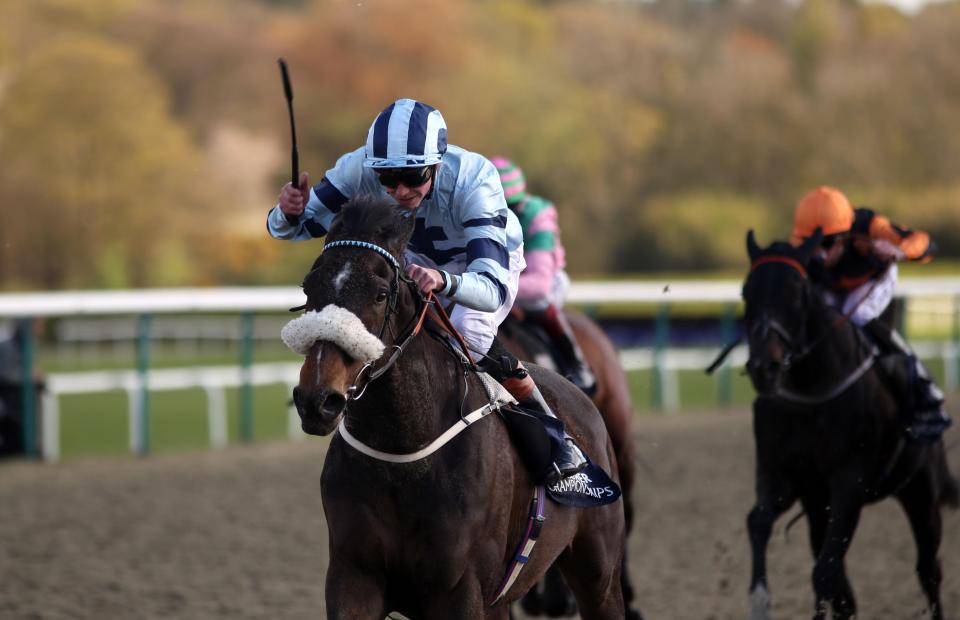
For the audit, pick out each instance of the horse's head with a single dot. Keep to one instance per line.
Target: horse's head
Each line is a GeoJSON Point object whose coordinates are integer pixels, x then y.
{"type": "Point", "coordinates": [777, 296]}
{"type": "Point", "coordinates": [356, 297]}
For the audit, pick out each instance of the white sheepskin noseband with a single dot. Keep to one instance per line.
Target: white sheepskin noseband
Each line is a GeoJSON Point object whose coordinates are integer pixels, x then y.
{"type": "Point", "coordinates": [333, 324]}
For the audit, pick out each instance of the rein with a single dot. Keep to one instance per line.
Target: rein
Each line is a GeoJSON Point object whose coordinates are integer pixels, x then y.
{"type": "Point", "coordinates": [836, 390]}
{"type": "Point", "coordinates": [440, 316]}
{"type": "Point", "coordinates": [397, 352]}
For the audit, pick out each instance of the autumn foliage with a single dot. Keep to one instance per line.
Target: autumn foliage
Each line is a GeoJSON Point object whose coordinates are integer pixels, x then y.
{"type": "Point", "coordinates": [144, 141]}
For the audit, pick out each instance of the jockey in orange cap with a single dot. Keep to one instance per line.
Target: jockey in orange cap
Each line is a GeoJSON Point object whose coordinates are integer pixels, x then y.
{"type": "Point", "coordinates": [856, 268]}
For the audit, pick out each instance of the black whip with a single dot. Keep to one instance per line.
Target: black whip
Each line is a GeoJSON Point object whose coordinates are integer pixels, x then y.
{"type": "Point", "coordinates": [294, 156]}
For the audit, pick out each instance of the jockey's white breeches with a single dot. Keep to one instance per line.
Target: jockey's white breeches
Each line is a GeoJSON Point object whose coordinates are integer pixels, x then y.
{"type": "Point", "coordinates": [867, 301]}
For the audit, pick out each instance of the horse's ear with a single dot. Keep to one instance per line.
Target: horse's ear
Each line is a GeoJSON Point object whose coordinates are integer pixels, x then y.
{"type": "Point", "coordinates": [400, 233]}
{"type": "Point", "coordinates": [753, 250]}
{"type": "Point", "coordinates": [812, 243]}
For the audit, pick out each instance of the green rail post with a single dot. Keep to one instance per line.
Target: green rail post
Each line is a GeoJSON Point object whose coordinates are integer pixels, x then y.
{"type": "Point", "coordinates": [144, 326]}
{"type": "Point", "coordinates": [661, 338]}
{"type": "Point", "coordinates": [246, 387]}
{"type": "Point", "coordinates": [28, 392]}
{"type": "Point", "coordinates": [956, 342]}
{"type": "Point", "coordinates": [725, 378]}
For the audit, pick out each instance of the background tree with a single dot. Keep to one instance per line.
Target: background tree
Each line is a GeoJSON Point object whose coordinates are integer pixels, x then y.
{"type": "Point", "coordinates": [148, 138]}
{"type": "Point", "coordinates": [96, 172]}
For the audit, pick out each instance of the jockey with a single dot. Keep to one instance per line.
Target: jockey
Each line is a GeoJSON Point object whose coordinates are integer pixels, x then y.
{"type": "Point", "coordinates": [467, 246]}
{"type": "Point", "coordinates": [544, 282]}
{"type": "Point", "coordinates": [856, 268]}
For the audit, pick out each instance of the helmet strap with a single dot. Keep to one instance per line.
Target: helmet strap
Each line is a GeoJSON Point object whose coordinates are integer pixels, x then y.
{"type": "Point", "coordinates": [433, 181]}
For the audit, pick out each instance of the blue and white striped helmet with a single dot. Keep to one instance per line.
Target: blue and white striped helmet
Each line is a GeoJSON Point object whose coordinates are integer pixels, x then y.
{"type": "Point", "coordinates": [406, 134]}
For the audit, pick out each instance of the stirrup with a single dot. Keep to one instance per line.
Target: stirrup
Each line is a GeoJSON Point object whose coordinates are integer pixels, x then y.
{"type": "Point", "coordinates": [572, 462]}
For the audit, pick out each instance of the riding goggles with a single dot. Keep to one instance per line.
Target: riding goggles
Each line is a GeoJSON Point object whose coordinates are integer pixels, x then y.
{"type": "Point", "coordinates": [408, 177]}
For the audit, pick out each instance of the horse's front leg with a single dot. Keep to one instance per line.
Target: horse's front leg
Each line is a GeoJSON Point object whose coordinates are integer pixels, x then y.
{"type": "Point", "coordinates": [830, 584]}
{"type": "Point", "coordinates": [465, 601]}
{"type": "Point", "coordinates": [919, 501]}
{"type": "Point", "coordinates": [353, 594]}
{"type": "Point", "coordinates": [774, 497]}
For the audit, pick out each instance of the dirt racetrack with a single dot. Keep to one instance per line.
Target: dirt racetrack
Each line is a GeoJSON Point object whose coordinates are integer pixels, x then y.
{"type": "Point", "coordinates": [240, 534]}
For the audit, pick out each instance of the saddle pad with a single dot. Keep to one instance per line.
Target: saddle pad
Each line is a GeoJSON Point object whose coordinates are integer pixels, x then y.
{"type": "Point", "coordinates": [539, 438]}
{"type": "Point", "coordinates": [590, 488]}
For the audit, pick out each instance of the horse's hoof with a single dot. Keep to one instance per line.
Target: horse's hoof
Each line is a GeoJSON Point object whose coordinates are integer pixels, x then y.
{"type": "Point", "coordinates": [759, 603]}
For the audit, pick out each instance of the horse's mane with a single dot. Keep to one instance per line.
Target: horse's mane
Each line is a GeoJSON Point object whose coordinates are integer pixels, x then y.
{"type": "Point", "coordinates": [368, 217]}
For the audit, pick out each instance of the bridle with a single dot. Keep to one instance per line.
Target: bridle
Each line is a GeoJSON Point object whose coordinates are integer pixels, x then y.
{"type": "Point", "coordinates": [424, 303]}
{"type": "Point", "coordinates": [394, 285]}
{"type": "Point", "coordinates": [767, 324]}
{"type": "Point", "coordinates": [353, 391]}
{"type": "Point", "coordinates": [792, 356]}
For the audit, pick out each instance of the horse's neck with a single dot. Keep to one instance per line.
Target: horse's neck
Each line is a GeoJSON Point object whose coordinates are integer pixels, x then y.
{"type": "Point", "coordinates": [837, 351]}
{"type": "Point", "coordinates": [413, 403]}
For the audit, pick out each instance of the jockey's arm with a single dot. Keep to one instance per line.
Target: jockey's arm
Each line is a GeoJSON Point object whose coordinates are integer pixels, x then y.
{"type": "Point", "coordinates": [541, 250]}
{"type": "Point", "coordinates": [491, 235]}
{"type": "Point", "coordinates": [536, 281]}
{"type": "Point", "coordinates": [869, 300]}
{"type": "Point", "coordinates": [876, 234]}
{"type": "Point", "coordinates": [325, 199]}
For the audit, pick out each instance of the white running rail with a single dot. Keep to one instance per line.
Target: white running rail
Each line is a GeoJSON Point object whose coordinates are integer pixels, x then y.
{"type": "Point", "coordinates": [215, 379]}
{"type": "Point", "coordinates": [212, 379]}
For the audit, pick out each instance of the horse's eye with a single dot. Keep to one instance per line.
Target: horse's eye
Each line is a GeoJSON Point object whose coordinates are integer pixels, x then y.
{"type": "Point", "coordinates": [381, 297]}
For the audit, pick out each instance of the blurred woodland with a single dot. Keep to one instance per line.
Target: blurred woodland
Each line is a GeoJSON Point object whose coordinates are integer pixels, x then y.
{"type": "Point", "coordinates": [143, 141]}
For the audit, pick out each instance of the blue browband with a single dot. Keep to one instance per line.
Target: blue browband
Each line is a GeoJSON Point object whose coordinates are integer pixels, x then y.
{"type": "Point", "coordinates": [364, 244]}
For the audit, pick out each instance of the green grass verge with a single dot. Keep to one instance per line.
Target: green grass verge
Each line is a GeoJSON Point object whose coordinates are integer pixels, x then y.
{"type": "Point", "coordinates": [97, 424]}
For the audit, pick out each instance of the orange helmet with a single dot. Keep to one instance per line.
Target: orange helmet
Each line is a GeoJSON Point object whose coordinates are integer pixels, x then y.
{"type": "Point", "coordinates": [823, 207]}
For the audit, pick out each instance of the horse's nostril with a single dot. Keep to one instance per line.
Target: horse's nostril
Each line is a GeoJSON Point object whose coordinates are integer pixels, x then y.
{"type": "Point", "coordinates": [297, 397]}
{"type": "Point", "coordinates": [333, 404]}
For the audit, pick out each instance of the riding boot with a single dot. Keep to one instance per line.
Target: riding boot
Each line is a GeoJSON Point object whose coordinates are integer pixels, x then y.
{"type": "Point", "coordinates": [926, 418]}
{"type": "Point", "coordinates": [567, 458]}
{"type": "Point", "coordinates": [576, 370]}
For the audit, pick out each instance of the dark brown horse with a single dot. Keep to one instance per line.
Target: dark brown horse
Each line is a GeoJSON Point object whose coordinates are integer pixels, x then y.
{"type": "Point", "coordinates": [432, 537]}
{"type": "Point", "coordinates": [828, 433]}
{"type": "Point", "coordinates": [612, 399]}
